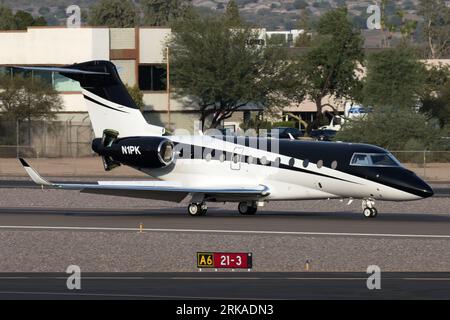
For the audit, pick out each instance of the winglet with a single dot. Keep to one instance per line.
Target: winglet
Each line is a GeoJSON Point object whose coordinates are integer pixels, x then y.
{"type": "Point", "coordinates": [23, 162]}
{"type": "Point", "coordinates": [33, 174]}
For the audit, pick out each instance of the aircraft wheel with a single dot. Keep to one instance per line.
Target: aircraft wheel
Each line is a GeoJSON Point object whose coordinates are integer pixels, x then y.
{"type": "Point", "coordinates": [247, 208]}
{"type": "Point", "coordinates": [197, 209]}
{"type": "Point", "coordinates": [203, 209]}
{"type": "Point", "coordinates": [367, 212]}
{"type": "Point", "coordinates": [374, 213]}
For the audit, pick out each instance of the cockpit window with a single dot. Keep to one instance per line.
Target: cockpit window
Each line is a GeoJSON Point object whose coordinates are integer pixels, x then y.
{"type": "Point", "coordinates": [374, 160]}
{"type": "Point", "coordinates": [360, 159]}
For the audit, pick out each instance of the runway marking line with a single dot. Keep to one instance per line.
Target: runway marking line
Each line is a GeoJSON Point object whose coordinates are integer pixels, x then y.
{"type": "Point", "coordinates": [126, 295]}
{"type": "Point", "coordinates": [262, 232]}
{"type": "Point", "coordinates": [227, 278]}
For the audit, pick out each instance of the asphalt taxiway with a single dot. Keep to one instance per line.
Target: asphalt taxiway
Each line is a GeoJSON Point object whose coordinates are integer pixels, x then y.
{"type": "Point", "coordinates": [220, 221]}
{"type": "Point", "coordinates": [236, 286]}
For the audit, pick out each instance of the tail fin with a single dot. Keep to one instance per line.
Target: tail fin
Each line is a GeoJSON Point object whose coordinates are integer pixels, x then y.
{"type": "Point", "coordinates": [109, 104]}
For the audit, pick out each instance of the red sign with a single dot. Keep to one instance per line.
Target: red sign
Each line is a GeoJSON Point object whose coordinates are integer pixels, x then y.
{"type": "Point", "coordinates": [232, 260]}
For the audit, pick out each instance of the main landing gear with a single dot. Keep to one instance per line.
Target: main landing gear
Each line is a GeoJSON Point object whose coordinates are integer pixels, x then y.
{"type": "Point", "coordinates": [247, 208]}
{"type": "Point", "coordinates": [197, 209]}
{"type": "Point", "coordinates": [369, 210]}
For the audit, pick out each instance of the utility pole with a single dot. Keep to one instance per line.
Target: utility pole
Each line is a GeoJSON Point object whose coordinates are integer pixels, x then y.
{"type": "Point", "coordinates": [168, 87]}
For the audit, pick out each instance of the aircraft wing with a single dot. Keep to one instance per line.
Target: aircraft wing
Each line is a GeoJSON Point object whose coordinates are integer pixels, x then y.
{"type": "Point", "coordinates": [158, 190]}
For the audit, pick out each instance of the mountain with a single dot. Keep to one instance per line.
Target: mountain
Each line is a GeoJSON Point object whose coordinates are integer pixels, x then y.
{"type": "Point", "coordinates": [266, 13]}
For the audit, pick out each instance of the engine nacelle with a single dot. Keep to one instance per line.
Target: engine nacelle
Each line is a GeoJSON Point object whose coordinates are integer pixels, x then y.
{"type": "Point", "coordinates": [140, 152]}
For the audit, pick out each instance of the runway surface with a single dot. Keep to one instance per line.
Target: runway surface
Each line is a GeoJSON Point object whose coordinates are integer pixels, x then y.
{"type": "Point", "coordinates": [226, 221]}
{"type": "Point", "coordinates": [242, 285]}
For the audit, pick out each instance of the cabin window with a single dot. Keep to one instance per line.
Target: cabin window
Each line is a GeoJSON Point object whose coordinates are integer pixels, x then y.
{"type": "Point", "coordinates": [374, 160]}
{"type": "Point", "coordinates": [334, 165]}
{"type": "Point", "coordinates": [305, 163]}
{"type": "Point", "coordinates": [319, 164]}
{"type": "Point", "coordinates": [291, 162]}
{"type": "Point", "coordinates": [263, 161]}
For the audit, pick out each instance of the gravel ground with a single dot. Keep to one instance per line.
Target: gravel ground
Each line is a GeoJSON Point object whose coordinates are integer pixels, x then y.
{"type": "Point", "coordinates": [140, 252]}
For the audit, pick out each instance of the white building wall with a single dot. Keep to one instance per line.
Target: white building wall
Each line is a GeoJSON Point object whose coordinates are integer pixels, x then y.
{"type": "Point", "coordinates": [153, 44]}
{"type": "Point", "coordinates": [122, 38]}
{"type": "Point", "coordinates": [54, 46]}
{"type": "Point", "coordinates": [157, 101]}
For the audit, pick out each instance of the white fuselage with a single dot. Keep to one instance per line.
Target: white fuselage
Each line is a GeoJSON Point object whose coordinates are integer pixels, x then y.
{"type": "Point", "coordinates": [212, 172]}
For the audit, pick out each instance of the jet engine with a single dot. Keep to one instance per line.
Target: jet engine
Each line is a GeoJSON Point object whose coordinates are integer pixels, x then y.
{"type": "Point", "coordinates": [138, 152]}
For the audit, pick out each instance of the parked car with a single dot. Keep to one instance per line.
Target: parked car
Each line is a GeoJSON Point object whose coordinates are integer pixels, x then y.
{"type": "Point", "coordinates": [284, 133]}
{"type": "Point", "coordinates": [323, 134]}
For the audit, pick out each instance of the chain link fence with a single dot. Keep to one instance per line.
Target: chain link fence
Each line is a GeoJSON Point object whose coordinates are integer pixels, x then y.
{"type": "Point", "coordinates": [67, 140]}
{"type": "Point", "coordinates": [44, 139]}
{"type": "Point", "coordinates": [431, 165]}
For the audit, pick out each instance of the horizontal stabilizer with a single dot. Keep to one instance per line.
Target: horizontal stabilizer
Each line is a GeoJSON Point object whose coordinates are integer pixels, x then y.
{"type": "Point", "coordinates": [107, 99]}
{"type": "Point", "coordinates": [60, 70]}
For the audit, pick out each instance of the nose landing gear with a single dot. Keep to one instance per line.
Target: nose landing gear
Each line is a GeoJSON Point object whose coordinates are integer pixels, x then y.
{"type": "Point", "coordinates": [197, 209]}
{"type": "Point", "coordinates": [369, 210]}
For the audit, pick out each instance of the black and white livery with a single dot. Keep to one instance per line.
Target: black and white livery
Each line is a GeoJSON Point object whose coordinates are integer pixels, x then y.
{"type": "Point", "coordinates": [247, 170]}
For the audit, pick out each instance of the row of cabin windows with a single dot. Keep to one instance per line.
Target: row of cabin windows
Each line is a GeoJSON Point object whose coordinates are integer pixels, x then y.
{"type": "Point", "coordinates": [249, 159]}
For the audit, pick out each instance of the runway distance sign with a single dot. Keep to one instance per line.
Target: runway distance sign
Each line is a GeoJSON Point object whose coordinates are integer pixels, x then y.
{"type": "Point", "coordinates": [219, 260]}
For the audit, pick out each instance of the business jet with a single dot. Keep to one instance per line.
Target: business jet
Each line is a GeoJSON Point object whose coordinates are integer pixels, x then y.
{"type": "Point", "coordinates": [249, 171]}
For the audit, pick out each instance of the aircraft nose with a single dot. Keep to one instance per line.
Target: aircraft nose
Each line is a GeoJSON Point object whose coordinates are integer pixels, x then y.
{"type": "Point", "coordinates": [420, 187]}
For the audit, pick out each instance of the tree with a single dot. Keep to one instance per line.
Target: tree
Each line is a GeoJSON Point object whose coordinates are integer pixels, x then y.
{"type": "Point", "coordinates": [7, 21]}
{"type": "Point", "coordinates": [232, 14]}
{"type": "Point", "coordinates": [23, 19]}
{"type": "Point", "coordinates": [393, 129]}
{"type": "Point", "coordinates": [436, 27]}
{"type": "Point", "coordinates": [306, 24]}
{"type": "Point", "coordinates": [395, 77]}
{"type": "Point", "coordinates": [40, 21]}
{"type": "Point", "coordinates": [28, 99]}
{"type": "Point", "coordinates": [300, 4]}
{"type": "Point", "coordinates": [436, 101]}
{"type": "Point", "coordinates": [330, 67]}
{"type": "Point", "coordinates": [163, 12]}
{"type": "Point", "coordinates": [113, 13]}
{"type": "Point", "coordinates": [137, 96]}
{"type": "Point", "coordinates": [222, 68]}
{"type": "Point", "coordinates": [406, 27]}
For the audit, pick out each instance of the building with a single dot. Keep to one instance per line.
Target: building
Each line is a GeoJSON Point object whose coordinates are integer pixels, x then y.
{"type": "Point", "coordinates": [139, 54]}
